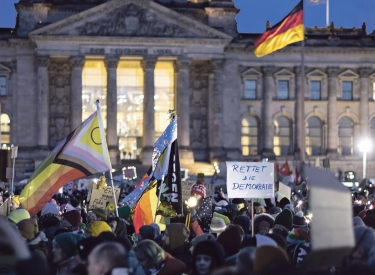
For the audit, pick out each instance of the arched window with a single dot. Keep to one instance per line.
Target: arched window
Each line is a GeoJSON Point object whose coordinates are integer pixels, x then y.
{"type": "Point", "coordinates": [346, 136]}
{"type": "Point", "coordinates": [314, 136]}
{"type": "Point", "coordinates": [5, 131]}
{"type": "Point", "coordinates": [282, 136]}
{"type": "Point", "coordinates": [249, 136]}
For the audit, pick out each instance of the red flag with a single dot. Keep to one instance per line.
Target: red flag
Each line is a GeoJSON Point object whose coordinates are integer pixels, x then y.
{"type": "Point", "coordinates": [297, 176]}
{"type": "Point", "coordinates": [285, 171]}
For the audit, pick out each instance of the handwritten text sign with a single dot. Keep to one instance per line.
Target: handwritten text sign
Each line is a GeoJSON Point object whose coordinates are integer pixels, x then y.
{"type": "Point", "coordinates": [101, 198]}
{"type": "Point", "coordinates": [250, 179]}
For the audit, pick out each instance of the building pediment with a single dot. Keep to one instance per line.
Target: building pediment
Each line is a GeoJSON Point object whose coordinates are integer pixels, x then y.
{"type": "Point", "coordinates": [131, 18]}
{"type": "Point", "coordinates": [4, 69]}
{"type": "Point", "coordinates": [348, 73]}
{"type": "Point", "coordinates": [284, 72]}
{"type": "Point", "coordinates": [316, 73]}
{"type": "Point", "coordinates": [251, 72]}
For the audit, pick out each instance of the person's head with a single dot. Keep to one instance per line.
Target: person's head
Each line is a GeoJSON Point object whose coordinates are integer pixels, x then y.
{"type": "Point", "coordinates": [105, 257]}
{"type": "Point", "coordinates": [230, 239]}
{"type": "Point", "coordinates": [28, 228]}
{"type": "Point", "coordinates": [198, 190]}
{"type": "Point", "coordinates": [245, 258]}
{"type": "Point", "coordinates": [86, 246]}
{"type": "Point", "coordinates": [208, 255]}
{"type": "Point", "coordinates": [95, 228]}
{"type": "Point", "coordinates": [263, 223]}
{"type": "Point", "coordinates": [146, 232]}
{"type": "Point", "coordinates": [70, 219]}
{"type": "Point", "coordinates": [217, 225]}
{"type": "Point", "coordinates": [244, 222]}
{"type": "Point", "coordinates": [175, 235]}
{"type": "Point", "coordinates": [149, 253]}
{"type": "Point", "coordinates": [18, 215]}
{"type": "Point", "coordinates": [64, 246]}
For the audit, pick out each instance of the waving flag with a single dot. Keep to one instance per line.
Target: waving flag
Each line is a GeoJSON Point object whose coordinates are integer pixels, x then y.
{"type": "Point", "coordinates": [83, 153]}
{"type": "Point", "coordinates": [287, 31]}
{"type": "Point", "coordinates": [316, 2]}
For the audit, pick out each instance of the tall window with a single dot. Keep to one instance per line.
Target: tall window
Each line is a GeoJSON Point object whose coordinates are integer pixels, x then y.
{"type": "Point", "coordinates": [372, 130]}
{"type": "Point", "coordinates": [250, 89]}
{"type": "Point", "coordinates": [315, 90]}
{"type": "Point", "coordinates": [347, 90]}
{"type": "Point", "coordinates": [373, 90]}
{"type": "Point", "coordinates": [346, 136]}
{"type": "Point", "coordinates": [283, 89]}
{"type": "Point", "coordinates": [164, 95]}
{"type": "Point", "coordinates": [314, 136]}
{"type": "Point", "coordinates": [249, 136]}
{"type": "Point", "coordinates": [5, 131]}
{"type": "Point", "coordinates": [130, 108]}
{"type": "Point", "coordinates": [281, 140]}
{"type": "Point", "coordinates": [3, 85]}
{"type": "Point", "coordinates": [94, 87]}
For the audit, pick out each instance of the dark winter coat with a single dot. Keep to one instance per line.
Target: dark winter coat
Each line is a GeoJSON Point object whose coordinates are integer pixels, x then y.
{"type": "Point", "coordinates": [204, 213]}
{"type": "Point", "coordinates": [182, 253]}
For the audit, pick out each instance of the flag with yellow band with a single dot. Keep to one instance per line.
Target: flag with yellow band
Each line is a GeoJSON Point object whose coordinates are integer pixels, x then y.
{"type": "Point", "coordinates": [83, 153]}
{"type": "Point", "coordinates": [287, 31]}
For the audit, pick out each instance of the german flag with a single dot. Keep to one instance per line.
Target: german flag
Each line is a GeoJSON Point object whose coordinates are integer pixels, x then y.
{"type": "Point", "coordinates": [287, 31]}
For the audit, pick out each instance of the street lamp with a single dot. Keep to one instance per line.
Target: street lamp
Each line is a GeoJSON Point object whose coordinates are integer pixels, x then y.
{"type": "Point", "coordinates": [365, 146]}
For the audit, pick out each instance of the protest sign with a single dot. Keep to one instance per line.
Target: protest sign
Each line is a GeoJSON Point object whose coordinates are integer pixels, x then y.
{"type": "Point", "coordinates": [250, 179]}
{"type": "Point", "coordinates": [284, 192]}
{"type": "Point", "coordinates": [330, 203]}
{"type": "Point", "coordinates": [5, 208]}
{"type": "Point", "coordinates": [100, 198]}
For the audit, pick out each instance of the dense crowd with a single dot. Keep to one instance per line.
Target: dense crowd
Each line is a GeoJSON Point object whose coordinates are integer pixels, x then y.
{"type": "Point", "coordinates": [67, 239]}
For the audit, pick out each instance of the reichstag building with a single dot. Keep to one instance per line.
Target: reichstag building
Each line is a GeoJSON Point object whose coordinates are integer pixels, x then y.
{"type": "Point", "coordinates": [141, 58]}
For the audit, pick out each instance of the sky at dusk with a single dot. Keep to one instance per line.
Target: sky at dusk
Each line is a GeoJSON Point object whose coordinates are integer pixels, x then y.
{"type": "Point", "coordinates": [254, 13]}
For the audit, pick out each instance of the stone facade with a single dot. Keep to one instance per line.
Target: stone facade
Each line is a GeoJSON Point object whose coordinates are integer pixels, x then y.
{"type": "Point", "coordinates": [42, 59]}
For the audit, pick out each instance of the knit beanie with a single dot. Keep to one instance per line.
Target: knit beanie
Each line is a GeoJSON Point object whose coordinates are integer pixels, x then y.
{"type": "Point", "coordinates": [147, 232]}
{"type": "Point", "coordinates": [281, 242]}
{"type": "Point", "coordinates": [297, 235]}
{"type": "Point", "coordinates": [211, 248]}
{"type": "Point", "coordinates": [73, 217]}
{"type": "Point", "coordinates": [202, 237]}
{"type": "Point", "coordinates": [290, 207]}
{"type": "Point", "coordinates": [16, 200]}
{"type": "Point", "coordinates": [217, 225]}
{"type": "Point", "coordinates": [284, 201]}
{"type": "Point", "coordinates": [269, 259]}
{"type": "Point", "coordinates": [97, 227]}
{"type": "Point", "coordinates": [18, 215]}
{"type": "Point", "coordinates": [198, 188]}
{"type": "Point", "coordinates": [178, 234]}
{"type": "Point", "coordinates": [285, 218]}
{"type": "Point", "coordinates": [274, 211]}
{"type": "Point", "coordinates": [258, 241]}
{"type": "Point", "coordinates": [100, 213]}
{"type": "Point", "coordinates": [299, 221]}
{"type": "Point", "coordinates": [85, 246]}
{"type": "Point", "coordinates": [68, 242]}
{"type": "Point", "coordinates": [239, 202]}
{"type": "Point", "coordinates": [28, 228]}
{"type": "Point", "coordinates": [230, 239]}
{"type": "Point", "coordinates": [282, 231]}
{"type": "Point", "coordinates": [157, 228]}
{"type": "Point", "coordinates": [50, 208]}
{"type": "Point", "coordinates": [244, 222]}
{"type": "Point", "coordinates": [124, 212]}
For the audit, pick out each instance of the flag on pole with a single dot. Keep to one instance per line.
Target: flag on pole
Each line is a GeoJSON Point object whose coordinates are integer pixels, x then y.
{"type": "Point", "coordinates": [287, 31]}
{"type": "Point", "coordinates": [316, 2]}
{"type": "Point", "coordinates": [83, 153]}
{"type": "Point", "coordinates": [284, 170]}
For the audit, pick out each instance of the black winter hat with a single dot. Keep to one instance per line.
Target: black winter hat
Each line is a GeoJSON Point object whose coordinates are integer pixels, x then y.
{"type": "Point", "coordinates": [285, 218]}
{"type": "Point", "coordinates": [284, 201]}
{"type": "Point", "coordinates": [85, 246]}
{"type": "Point", "coordinates": [299, 222]}
{"type": "Point", "coordinates": [211, 248]}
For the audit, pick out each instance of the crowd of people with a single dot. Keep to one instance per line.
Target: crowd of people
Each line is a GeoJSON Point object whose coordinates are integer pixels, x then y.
{"type": "Point", "coordinates": [223, 236]}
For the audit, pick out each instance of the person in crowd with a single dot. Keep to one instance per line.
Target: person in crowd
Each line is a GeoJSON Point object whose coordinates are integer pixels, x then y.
{"type": "Point", "coordinates": [71, 220]}
{"type": "Point", "coordinates": [158, 235]}
{"type": "Point", "coordinates": [263, 223]}
{"type": "Point", "coordinates": [176, 242]}
{"type": "Point", "coordinates": [203, 210]}
{"type": "Point", "coordinates": [18, 215]}
{"type": "Point", "coordinates": [95, 228]}
{"type": "Point", "coordinates": [146, 232]}
{"type": "Point", "coordinates": [271, 260]}
{"type": "Point", "coordinates": [155, 260]}
{"type": "Point", "coordinates": [245, 224]}
{"type": "Point", "coordinates": [107, 257]}
{"type": "Point", "coordinates": [230, 239]}
{"type": "Point", "coordinates": [208, 256]}
{"type": "Point", "coordinates": [245, 259]}
{"type": "Point", "coordinates": [64, 251]}
{"type": "Point", "coordinates": [217, 226]}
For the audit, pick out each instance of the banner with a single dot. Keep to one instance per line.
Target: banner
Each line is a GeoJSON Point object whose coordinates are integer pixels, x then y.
{"type": "Point", "coordinates": [100, 198]}
{"type": "Point", "coordinates": [284, 192]}
{"type": "Point", "coordinates": [173, 189]}
{"type": "Point", "coordinates": [250, 179]}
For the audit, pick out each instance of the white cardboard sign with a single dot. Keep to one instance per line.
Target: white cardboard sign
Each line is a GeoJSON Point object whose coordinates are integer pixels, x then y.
{"type": "Point", "coordinates": [250, 179]}
{"type": "Point", "coordinates": [284, 191]}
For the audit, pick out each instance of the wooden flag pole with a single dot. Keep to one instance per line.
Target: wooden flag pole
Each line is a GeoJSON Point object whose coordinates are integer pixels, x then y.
{"type": "Point", "coordinates": [252, 217]}
{"type": "Point", "coordinates": [113, 191]}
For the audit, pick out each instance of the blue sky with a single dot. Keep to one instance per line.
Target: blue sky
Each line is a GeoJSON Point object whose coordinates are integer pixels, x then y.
{"type": "Point", "coordinates": [254, 13]}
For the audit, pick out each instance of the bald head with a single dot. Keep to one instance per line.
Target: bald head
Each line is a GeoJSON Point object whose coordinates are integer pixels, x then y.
{"type": "Point", "coordinates": [105, 257]}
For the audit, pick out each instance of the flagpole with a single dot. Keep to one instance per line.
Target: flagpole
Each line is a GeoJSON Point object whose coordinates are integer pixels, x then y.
{"type": "Point", "coordinates": [301, 100]}
{"type": "Point", "coordinates": [105, 149]}
{"type": "Point", "coordinates": [160, 189]}
{"type": "Point", "coordinates": [327, 13]}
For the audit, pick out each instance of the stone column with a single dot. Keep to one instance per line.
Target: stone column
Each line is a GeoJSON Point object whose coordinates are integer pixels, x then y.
{"type": "Point", "coordinates": [148, 110]}
{"type": "Point", "coordinates": [76, 97]}
{"type": "Point", "coordinates": [364, 106]}
{"type": "Point", "coordinates": [332, 73]}
{"type": "Point", "coordinates": [216, 109]}
{"type": "Point", "coordinates": [42, 63]}
{"type": "Point", "coordinates": [111, 64]}
{"type": "Point", "coordinates": [182, 70]}
{"type": "Point", "coordinates": [300, 139]}
{"type": "Point", "coordinates": [269, 90]}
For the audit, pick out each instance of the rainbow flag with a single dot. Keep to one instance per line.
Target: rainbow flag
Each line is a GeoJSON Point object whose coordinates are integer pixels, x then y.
{"type": "Point", "coordinates": [83, 153]}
